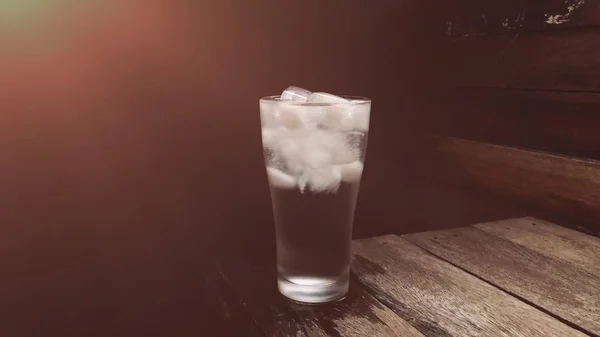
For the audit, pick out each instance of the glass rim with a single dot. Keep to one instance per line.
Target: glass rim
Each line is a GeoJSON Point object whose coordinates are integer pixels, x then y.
{"type": "Point", "coordinates": [276, 99]}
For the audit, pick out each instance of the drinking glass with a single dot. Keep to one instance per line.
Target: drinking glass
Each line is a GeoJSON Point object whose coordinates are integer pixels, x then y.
{"type": "Point", "coordinates": [314, 156]}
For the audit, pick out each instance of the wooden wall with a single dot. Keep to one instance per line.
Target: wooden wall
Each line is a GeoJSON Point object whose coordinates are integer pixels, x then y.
{"type": "Point", "coordinates": [516, 107]}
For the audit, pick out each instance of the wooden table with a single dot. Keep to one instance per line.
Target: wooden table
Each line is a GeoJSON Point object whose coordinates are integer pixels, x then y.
{"type": "Point", "coordinates": [517, 277]}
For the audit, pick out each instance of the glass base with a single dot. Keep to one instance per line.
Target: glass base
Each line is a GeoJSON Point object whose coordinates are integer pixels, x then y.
{"type": "Point", "coordinates": [313, 290]}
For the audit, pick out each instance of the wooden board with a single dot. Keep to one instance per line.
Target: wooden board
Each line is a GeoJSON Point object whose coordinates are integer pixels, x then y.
{"type": "Point", "coordinates": [357, 315]}
{"type": "Point", "coordinates": [560, 243]}
{"type": "Point", "coordinates": [556, 183]}
{"type": "Point", "coordinates": [470, 17]}
{"type": "Point", "coordinates": [551, 284]}
{"type": "Point", "coordinates": [441, 300]}
{"type": "Point", "coordinates": [562, 60]}
{"type": "Point", "coordinates": [558, 122]}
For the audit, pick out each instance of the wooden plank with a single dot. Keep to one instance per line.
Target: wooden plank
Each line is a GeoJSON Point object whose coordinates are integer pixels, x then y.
{"type": "Point", "coordinates": [559, 122]}
{"type": "Point", "coordinates": [470, 17]}
{"type": "Point", "coordinates": [442, 300]}
{"type": "Point", "coordinates": [359, 314]}
{"type": "Point", "coordinates": [553, 285]}
{"type": "Point", "coordinates": [560, 243]}
{"type": "Point", "coordinates": [556, 183]}
{"type": "Point", "coordinates": [562, 60]}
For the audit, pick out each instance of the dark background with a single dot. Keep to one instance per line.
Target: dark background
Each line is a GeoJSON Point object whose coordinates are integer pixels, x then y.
{"type": "Point", "coordinates": [141, 136]}
{"type": "Point", "coordinates": [130, 140]}
{"type": "Point", "coordinates": [130, 144]}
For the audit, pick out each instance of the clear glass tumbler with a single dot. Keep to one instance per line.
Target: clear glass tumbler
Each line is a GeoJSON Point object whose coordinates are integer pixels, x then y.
{"type": "Point", "coordinates": [314, 156]}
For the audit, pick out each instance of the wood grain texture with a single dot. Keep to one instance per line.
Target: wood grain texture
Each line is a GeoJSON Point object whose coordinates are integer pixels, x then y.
{"type": "Point", "coordinates": [562, 60]}
{"type": "Point", "coordinates": [554, 285]}
{"type": "Point", "coordinates": [558, 122]}
{"type": "Point", "coordinates": [578, 249]}
{"type": "Point", "coordinates": [441, 300]}
{"type": "Point", "coordinates": [359, 314]}
{"type": "Point", "coordinates": [557, 183]}
{"type": "Point", "coordinates": [471, 17]}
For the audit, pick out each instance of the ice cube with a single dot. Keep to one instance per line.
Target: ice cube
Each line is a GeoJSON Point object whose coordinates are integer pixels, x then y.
{"type": "Point", "coordinates": [291, 116]}
{"type": "Point", "coordinates": [337, 117]}
{"type": "Point", "coordinates": [336, 144]}
{"type": "Point", "coordinates": [347, 115]}
{"type": "Point", "coordinates": [351, 116]}
{"type": "Point", "coordinates": [356, 141]}
{"type": "Point", "coordinates": [268, 117]}
{"type": "Point", "coordinates": [297, 116]}
{"type": "Point", "coordinates": [278, 178]}
{"type": "Point", "coordinates": [274, 159]}
{"type": "Point", "coordinates": [352, 172]}
{"type": "Point", "coordinates": [301, 150]}
{"type": "Point", "coordinates": [269, 137]}
{"type": "Point", "coordinates": [316, 158]}
{"type": "Point", "coordinates": [360, 112]}
{"type": "Point", "coordinates": [295, 94]}
{"type": "Point", "coordinates": [271, 140]}
{"type": "Point", "coordinates": [292, 150]}
{"type": "Point", "coordinates": [323, 97]}
{"type": "Point", "coordinates": [322, 180]}
{"type": "Point", "coordinates": [334, 116]}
